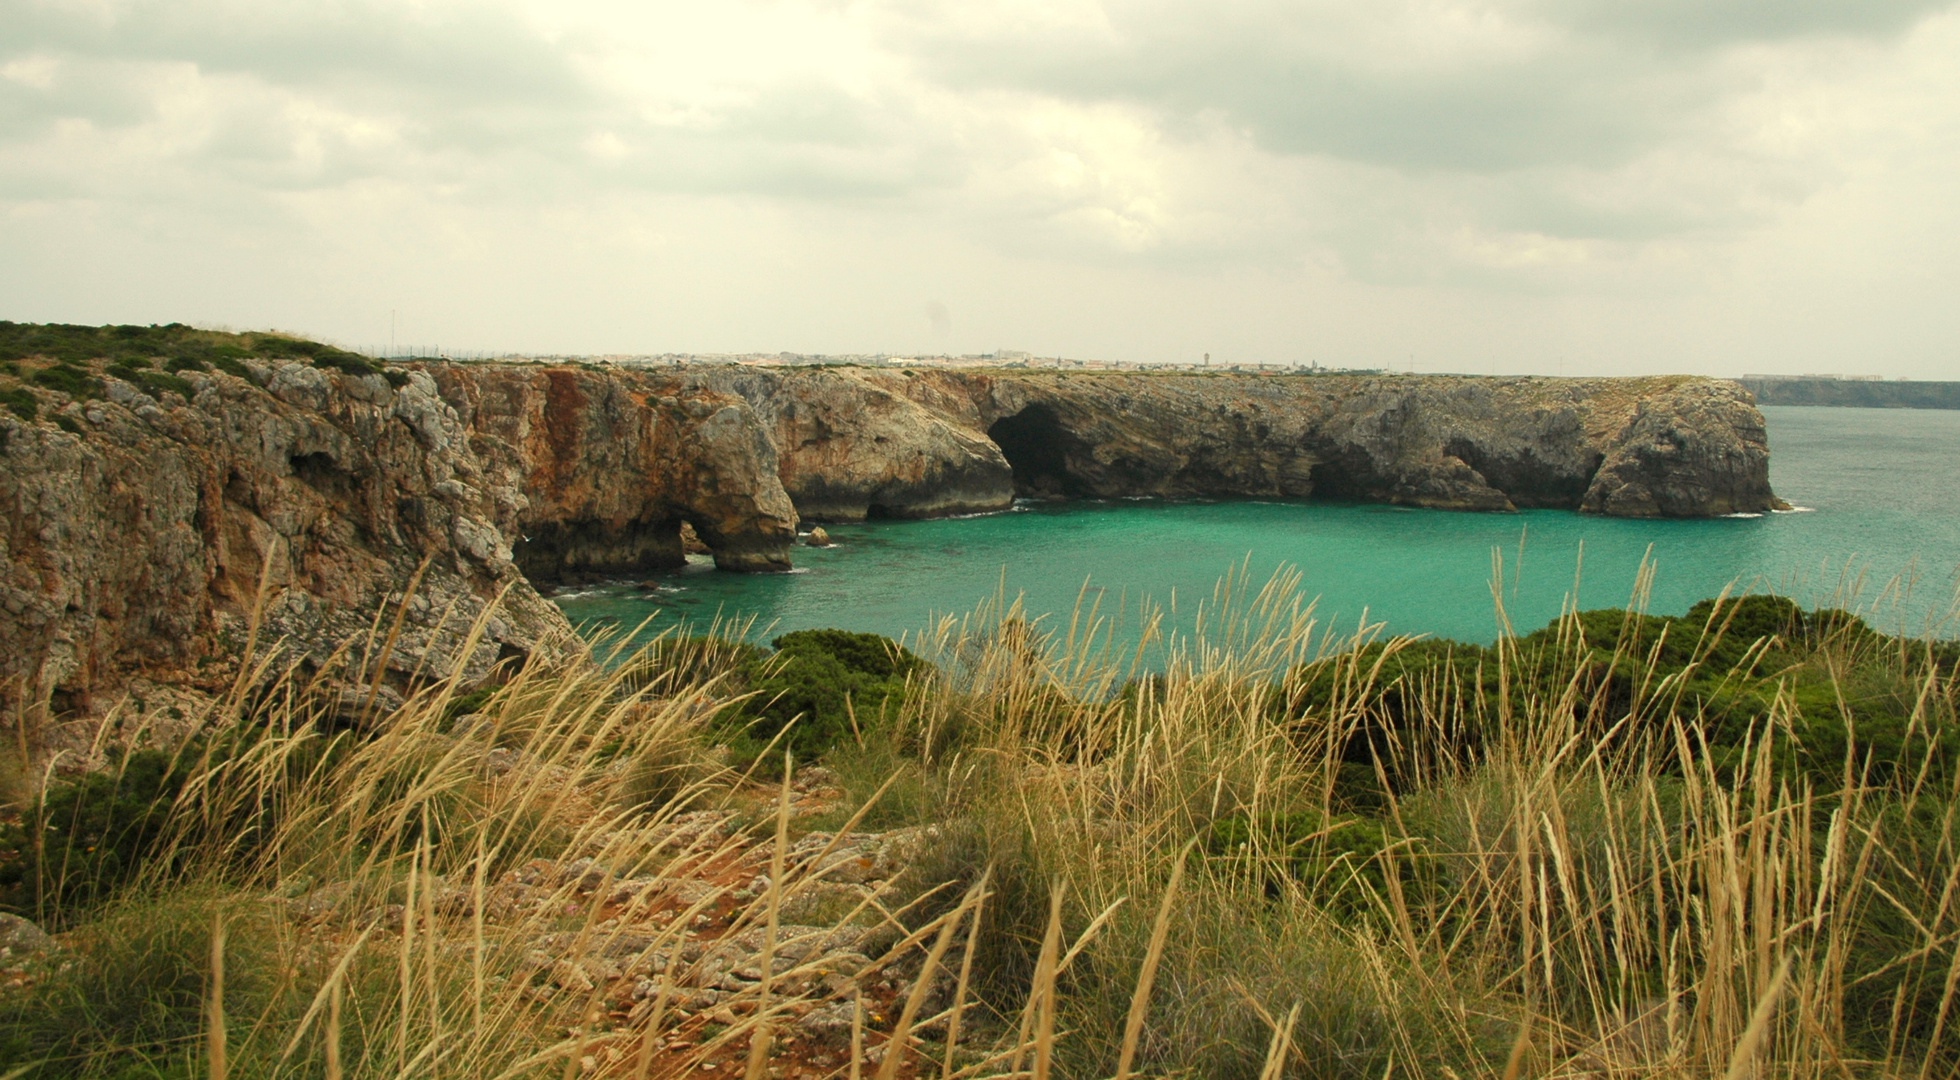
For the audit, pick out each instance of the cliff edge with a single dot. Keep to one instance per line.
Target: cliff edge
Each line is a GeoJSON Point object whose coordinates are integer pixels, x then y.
{"type": "Point", "coordinates": [153, 517]}
{"type": "Point", "coordinates": [871, 442]}
{"type": "Point", "coordinates": [167, 490]}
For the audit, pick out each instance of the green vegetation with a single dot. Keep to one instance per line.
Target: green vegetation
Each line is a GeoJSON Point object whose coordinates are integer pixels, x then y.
{"type": "Point", "coordinates": [826, 686]}
{"type": "Point", "coordinates": [20, 401]}
{"type": "Point", "coordinates": [1851, 693]}
{"type": "Point", "coordinates": [133, 353]}
{"type": "Point", "coordinates": [817, 690]}
{"type": "Point", "coordinates": [84, 838]}
{"type": "Point", "coordinates": [1619, 845]}
{"type": "Point", "coordinates": [69, 379]}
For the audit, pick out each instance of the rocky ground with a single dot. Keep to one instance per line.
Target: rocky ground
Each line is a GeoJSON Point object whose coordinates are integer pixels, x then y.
{"type": "Point", "coordinates": [682, 951]}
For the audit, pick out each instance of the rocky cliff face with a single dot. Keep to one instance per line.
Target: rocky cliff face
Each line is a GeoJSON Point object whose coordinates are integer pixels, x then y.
{"type": "Point", "coordinates": [149, 516]}
{"type": "Point", "coordinates": [852, 444]}
{"type": "Point", "coordinates": [610, 463]}
{"type": "Point", "coordinates": [139, 531]}
{"type": "Point", "coordinates": [143, 530]}
{"type": "Point", "coordinates": [925, 442]}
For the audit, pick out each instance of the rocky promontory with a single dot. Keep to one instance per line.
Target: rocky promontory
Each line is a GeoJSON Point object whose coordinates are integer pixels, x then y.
{"type": "Point", "coordinates": [175, 498]}
{"type": "Point", "coordinates": [168, 517]}
{"type": "Point", "coordinates": [871, 442]}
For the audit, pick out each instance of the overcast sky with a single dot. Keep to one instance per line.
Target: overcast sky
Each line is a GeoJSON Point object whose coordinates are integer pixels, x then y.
{"type": "Point", "coordinates": [1586, 186]}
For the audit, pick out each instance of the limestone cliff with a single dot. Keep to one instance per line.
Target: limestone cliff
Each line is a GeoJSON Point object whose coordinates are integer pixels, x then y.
{"type": "Point", "coordinates": [139, 528]}
{"type": "Point", "coordinates": [150, 513]}
{"type": "Point", "coordinates": [143, 512]}
{"type": "Point", "coordinates": [611, 462]}
{"type": "Point", "coordinates": [926, 442]}
{"type": "Point", "coordinates": [853, 444]}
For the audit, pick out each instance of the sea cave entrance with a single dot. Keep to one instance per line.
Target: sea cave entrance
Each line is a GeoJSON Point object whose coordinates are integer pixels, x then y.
{"type": "Point", "coordinates": [1037, 446]}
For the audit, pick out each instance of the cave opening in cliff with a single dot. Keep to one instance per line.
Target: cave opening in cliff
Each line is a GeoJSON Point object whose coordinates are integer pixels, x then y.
{"type": "Point", "coordinates": [1036, 445]}
{"type": "Point", "coordinates": [579, 550]}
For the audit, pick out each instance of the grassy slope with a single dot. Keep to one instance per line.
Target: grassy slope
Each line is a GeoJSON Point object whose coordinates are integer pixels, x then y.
{"type": "Point", "coordinates": [1431, 860]}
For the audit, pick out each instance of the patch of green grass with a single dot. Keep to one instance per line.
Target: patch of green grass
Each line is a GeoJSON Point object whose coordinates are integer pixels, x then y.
{"type": "Point", "coordinates": [129, 998]}
{"type": "Point", "coordinates": [176, 347]}
{"type": "Point", "coordinates": [84, 838]}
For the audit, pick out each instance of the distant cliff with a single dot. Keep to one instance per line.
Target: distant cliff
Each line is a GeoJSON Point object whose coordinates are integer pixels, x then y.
{"type": "Point", "coordinates": [163, 488]}
{"type": "Point", "coordinates": [858, 442]}
{"type": "Point", "coordinates": [1856, 393]}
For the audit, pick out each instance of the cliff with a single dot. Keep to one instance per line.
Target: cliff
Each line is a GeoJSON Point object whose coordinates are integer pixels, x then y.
{"type": "Point", "coordinates": [1854, 393]}
{"type": "Point", "coordinates": [926, 442]}
{"type": "Point", "coordinates": [148, 514]}
{"type": "Point", "coordinates": [609, 463]}
{"type": "Point", "coordinates": [164, 487]}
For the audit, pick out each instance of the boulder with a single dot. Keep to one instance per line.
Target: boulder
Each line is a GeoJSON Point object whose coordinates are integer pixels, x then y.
{"type": "Point", "coordinates": [20, 938]}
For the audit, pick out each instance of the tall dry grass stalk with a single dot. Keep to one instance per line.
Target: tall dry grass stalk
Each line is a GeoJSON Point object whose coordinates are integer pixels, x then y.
{"type": "Point", "coordinates": [1549, 881]}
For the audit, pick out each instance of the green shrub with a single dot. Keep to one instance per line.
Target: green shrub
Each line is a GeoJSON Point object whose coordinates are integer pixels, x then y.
{"type": "Point", "coordinates": [70, 380]}
{"type": "Point", "coordinates": [1337, 860]}
{"type": "Point", "coordinates": [819, 680]}
{"type": "Point", "coordinates": [464, 704]}
{"type": "Point", "coordinates": [21, 402]}
{"type": "Point", "coordinates": [347, 364]}
{"type": "Point", "coordinates": [68, 424]}
{"type": "Point", "coordinates": [86, 837]}
{"type": "Point", "coordinates": [158, 383]}
{"type": "Point", "coordinates": [1722, 666]}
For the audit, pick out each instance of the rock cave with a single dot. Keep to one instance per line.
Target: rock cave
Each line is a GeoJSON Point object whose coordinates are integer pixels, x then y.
{"type": "Point", "coordinates": [1036, 445]}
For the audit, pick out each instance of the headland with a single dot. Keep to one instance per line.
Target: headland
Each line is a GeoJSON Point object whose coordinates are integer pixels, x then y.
{"type": "Point", "coordinates": [172, 493]}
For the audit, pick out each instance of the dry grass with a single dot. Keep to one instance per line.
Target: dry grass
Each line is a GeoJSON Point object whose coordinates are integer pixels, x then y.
{"type": "Point", "coordinates": [1552, 904]}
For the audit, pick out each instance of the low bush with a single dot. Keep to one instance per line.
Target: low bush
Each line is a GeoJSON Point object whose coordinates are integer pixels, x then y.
{"type": "Point", "coordinates": [158, 383]}
{"type": "Point", "coordinates": [20, 401]}
{"type": "Point", "coordinates": [69, 379]}
{"type": "Point", "coordinates": [1338, 861]}
{"type": "Point", "coordinates": [84, 838]}
{"type": "Point", "coordinates": [825, 686]}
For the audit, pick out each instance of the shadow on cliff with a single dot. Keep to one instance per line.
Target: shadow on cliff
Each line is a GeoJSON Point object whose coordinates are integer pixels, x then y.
{"type": "Point", "coordinates": [1037, 447]}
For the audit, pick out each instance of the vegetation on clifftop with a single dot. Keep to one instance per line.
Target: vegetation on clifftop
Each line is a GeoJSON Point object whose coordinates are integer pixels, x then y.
{"type": "Point", "coordinates": [68, 359]}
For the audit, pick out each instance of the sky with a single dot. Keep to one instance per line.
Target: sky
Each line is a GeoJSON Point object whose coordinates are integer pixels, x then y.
{"type": "Point", "coordinates": [1512, 186]}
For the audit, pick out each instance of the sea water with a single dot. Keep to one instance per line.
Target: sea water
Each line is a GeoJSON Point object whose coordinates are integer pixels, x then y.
{"type": "Point", "coordinates": [1878, 530]}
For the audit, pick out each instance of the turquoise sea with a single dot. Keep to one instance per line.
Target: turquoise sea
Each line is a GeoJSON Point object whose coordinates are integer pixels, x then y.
{"type": "Point", "coordinates": [1878, 531]}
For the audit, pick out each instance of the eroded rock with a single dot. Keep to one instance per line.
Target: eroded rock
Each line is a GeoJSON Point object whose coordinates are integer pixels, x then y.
{"type": "Point", "coordinates": [866, 442]}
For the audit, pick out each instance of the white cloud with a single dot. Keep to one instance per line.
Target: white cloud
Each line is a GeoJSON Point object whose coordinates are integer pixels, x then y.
{"type": "Point", "coordinates": [1292, 179]}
